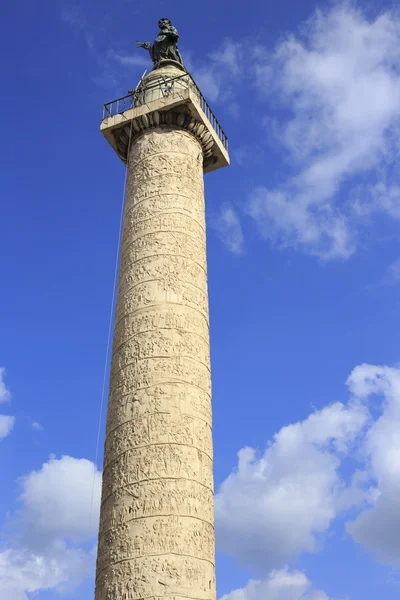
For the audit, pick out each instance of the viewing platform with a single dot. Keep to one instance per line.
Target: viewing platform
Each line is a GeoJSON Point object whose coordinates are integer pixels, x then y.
{"type": "Point", "coordinates": [162, 99]}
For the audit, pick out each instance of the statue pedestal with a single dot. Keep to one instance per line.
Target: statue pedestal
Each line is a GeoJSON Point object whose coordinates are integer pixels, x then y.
{"type": "Point", "coordinates": [169, 63]}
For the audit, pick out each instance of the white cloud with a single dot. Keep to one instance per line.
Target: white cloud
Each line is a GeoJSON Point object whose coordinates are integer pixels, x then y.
{"type": "Point", "coordinates": [6, 422]}
{"type": "Point", "coordinates": [5, 395]}
{"type": "Point", "coordinates": [275, 506]}
{"type": "Point", "coordinates": [37, 426]}
{"type": "Point", "coordinates": [23, 572]}
{"type": "Point", "coordinates": [228, 56]}
{"type": "Point", "coordinates": [6, 425]}
{"type": "Point", "coordinates": [378, 527]}
{"type": "Point", "coordinates": [74, 17]}
{"type": "Point", "coordinates": [207, 80]}
{"type": "Point", "coordinates": [48, 530]}
{"type": "Point", "coordinates": [229, 229]}
{"type": "Point", "coordinates": [340, 82]}
{"type": "Point", "coordinates": [249, 155]}
{"type": "Point", "coordinates": [51, 506]}
{"type": "Point", "coordinates": [288, 219]}
{"type": "Point", "coordinates": [381, 197]}
{"type": "Point", "coordinates": [392, 275]}
{"type": "Point", "coordinates": [233, 109]}
{"type": "Point", "coordinates": [279, 585]}
{"type": "Point", "coordinates": [140, 59]}
{"type": "Point", "coordinates": [218, 76]}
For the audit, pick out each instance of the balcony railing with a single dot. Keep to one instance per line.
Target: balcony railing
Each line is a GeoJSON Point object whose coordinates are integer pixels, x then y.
{"type": "Point", "coordinates": [167, 87]}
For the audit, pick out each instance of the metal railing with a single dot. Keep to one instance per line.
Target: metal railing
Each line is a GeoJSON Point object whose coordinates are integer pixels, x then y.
{"type": "Point", "coordinates": [210, 115]}
{"type": "Point", "coordinates": [168, 87]}
{"type": "Point", "coordinates": [118, 106]}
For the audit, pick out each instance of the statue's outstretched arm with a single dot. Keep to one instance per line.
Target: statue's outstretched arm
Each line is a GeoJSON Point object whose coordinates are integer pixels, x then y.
{"type": "Point", "coordinates": [145, 45]}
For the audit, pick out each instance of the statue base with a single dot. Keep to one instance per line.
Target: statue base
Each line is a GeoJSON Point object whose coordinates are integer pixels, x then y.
{"type": "Point", "coordinates": [168, 62]}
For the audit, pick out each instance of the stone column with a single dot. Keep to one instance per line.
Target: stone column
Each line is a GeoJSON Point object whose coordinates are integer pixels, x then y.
{"type": "Point", "coordinates": [156, 536]}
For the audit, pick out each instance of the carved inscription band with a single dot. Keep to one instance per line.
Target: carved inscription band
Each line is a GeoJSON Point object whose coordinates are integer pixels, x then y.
{"type": "Point", "coordinates": [156, 536]}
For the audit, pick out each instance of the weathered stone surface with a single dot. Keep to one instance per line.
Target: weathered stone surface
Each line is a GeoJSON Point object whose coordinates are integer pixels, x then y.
{"type": "Point", "coordinates": [156, 537]}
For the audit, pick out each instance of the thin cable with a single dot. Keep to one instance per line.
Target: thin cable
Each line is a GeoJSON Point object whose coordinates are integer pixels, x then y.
{"type": "Point", "coordinates": [103, 389]}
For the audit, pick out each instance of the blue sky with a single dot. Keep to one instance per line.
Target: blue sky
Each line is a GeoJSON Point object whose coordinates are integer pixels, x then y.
{"type": "Point", "coordinates": [304, 275]}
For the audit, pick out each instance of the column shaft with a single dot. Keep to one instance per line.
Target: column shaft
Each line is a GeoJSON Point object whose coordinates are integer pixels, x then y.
{"type": "Point", "coordinates": [156, 537]}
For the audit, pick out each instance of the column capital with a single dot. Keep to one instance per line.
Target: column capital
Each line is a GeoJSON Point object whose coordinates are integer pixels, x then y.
{"type": "Point", "coordinates": [166, 98]}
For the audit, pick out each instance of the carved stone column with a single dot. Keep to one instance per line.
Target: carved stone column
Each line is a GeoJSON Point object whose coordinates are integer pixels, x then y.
{"type": "Point", "coordinates": [156, 537]}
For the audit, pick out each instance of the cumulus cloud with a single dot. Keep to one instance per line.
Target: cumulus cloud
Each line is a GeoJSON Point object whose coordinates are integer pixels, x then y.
{"type": "Point", "coordinates": [249, 155]}
{"type": "Point", "coordinates": [6, 425]}
{"type": "Point", "coordinates": [378, 526]}
{"type": "Point", "coordinates": [340, 86]}
{"type": "Point", "coordinates": [48, 530]}
{"type": "Point", "coordinates": [6, 422]}
{"type": "Point", "coordinates": [233, 110]}
{"type": "Point", "coordinates": [5, 395]}
{"type": "Point", "coordinates": [37, 426]}
{"type": "Point", "coordinates": [23, 572]}
{"type": "Point", "coordinates": [276, 505]}
{"type": "Point", "coordinates": [228, 56]}
{"type": "Point", "coordinates": [392, 275]}
{"type": "Point", "coordinates": [229, 229]}
{"type": "Point", "coordinates": [279, 585]}
{"type": "Point", "coordinates": [217, 76]}
{"type": "Point", "coordinates": [137, 60]}
{"type": "Point", "coordinates": [74, 17]}
{"type": "Point", "coordinates": [291, 220]}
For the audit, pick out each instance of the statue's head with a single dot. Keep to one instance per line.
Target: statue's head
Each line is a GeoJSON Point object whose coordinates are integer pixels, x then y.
{"type": "Point", "coordinates": [164, 22]}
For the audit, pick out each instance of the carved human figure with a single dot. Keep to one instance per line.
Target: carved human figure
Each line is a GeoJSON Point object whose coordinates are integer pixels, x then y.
{"type": "Point", "coordinates": [165, 45]}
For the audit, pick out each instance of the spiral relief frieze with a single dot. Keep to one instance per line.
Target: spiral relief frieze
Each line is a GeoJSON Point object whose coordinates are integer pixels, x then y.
{"type": "Point", "coordinates": [156, 537]}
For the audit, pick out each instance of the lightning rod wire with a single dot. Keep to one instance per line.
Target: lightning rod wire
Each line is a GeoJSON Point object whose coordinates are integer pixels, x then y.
{"type": "Point", "coordinates": [110, 323]}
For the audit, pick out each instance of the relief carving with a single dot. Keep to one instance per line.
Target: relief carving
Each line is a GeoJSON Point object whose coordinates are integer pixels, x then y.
{"type": "Point", "coordinates": [163, 203]}
{"type": "Point", "coordinates": [152, 462]}
{"type": "Point", "coordinates": [158, 576]}
{"type": "Point", "coordinates": [187, 185]}
{"type": "Point", "coordinates": [156, 536]}
{"type": "Point", "coordinates": [170, 271]}
{"type": "Point", "coordinates": [175, 142]}
{"type": "Point", "coordinates": [146, 372]}
{"type": "Point", "coordinates": [158, 497]}
{"type": "Point", "coordinates": [159, 428]}
{"type": "Point", "coordinates": [163, 222]}
{"type": "Point", "coordinates": [175, 398]}
{"type": "Point", "coordinates": [161, 343]}
{"type": "Point", "coordinates": [162, 243]}
{"type": "Point", "coordinates": [152, 293]}
{"type": "Point", "coordinates": [161, 165]}
{"type": "Point", "coordinates": [181, 318]}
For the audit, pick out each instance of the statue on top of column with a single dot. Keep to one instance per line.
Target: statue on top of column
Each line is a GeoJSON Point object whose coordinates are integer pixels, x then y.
{"type": "Point", "coordinates": [165, 45]}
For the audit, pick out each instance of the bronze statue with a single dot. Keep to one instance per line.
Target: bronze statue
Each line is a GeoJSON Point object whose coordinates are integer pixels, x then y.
{"type": "Point", "coordinates": [164, 46]}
